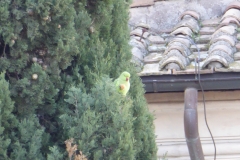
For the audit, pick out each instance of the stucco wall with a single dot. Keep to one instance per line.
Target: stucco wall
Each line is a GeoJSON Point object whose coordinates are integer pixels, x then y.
{"type": "Point", "coordinates": [223, 119]}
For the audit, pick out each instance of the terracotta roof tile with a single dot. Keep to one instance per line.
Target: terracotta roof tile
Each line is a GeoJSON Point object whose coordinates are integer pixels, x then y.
{"type": "Point", "coordinates": [238, 36]}
{"type": "Point", "coordinates": [238, 46]}
{"type": "Point", "coordinates": [217, 40]}
{"type": "Point", "coordinates": [174, 60]}
{"type": "Point", "coordinates": [226, 38]}
{"type": "Point", "coordinates": [229, 30]}
{"type": "Point", "coordinates": [139, 32]}
{"type": "Point", "coordinates": [232, 13]}
{"type": "Point", "coordinates": [215, 61]}
{"type": "Point", "coordinates": [237, 56]}
{"type": "Point", "coordinates": [137, 53]}
{"type": "Point", "coordinates": [234, 4]}
{"type": "Point", "coordinates": [226, 21]}
{"type": "Point", "coordinates": [221, 48]}
{"type": "Point", "coordinates": [191, 13]}
{"type": "Point", "coordinates": [143, 25]}
{"type": "Point", "coordinates": [182, 30]}
{"type": "Point", "coordinates": [182, 40]}
{"type": "Point", "coordinates": [190, 23]}
{"type": "Point", "coordinates": [181, 48]}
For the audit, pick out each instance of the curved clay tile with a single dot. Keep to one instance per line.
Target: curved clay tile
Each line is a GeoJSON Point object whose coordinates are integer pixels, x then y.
{"type": "Point", "coordinates": [183, 41]}
{"type": "Point", "coordinates": [136, 52]}
{"type": "Point", "coordinates": [173, 60]}
{"type": "Point", "coordinates": [185, 49]}
{"type": "Point", "coordinates": [215, 58]}
{"type": "Point", "coordinates": [234, 4]}
{"type": "Point", "coordinates": [180, 49]}
{"type": "Point", "coordinates": [226, 38]}
{"type": "Point", "coordinates": [174, 56]}
{"type": "Point", "coordinates": [232, 13]}
{"type": "Point", "coordinates": [191, 13]}
{"type": "Point", "coordinates": [190, 22]}
{"type": "Point", "coordinates": [237, 56]}
{"type": "Point", "coordinates": [222, 54]}
{"type": "Point", "coordinates": [226, 21]}
{"type": "Point", "coordinates": [237, 46]}
{"type": "Point", "coordinates": [175, 43]}
{"type": "Point", "coordinates": [135, 43]}
{"type": "Point", "coordinates": [135, 39]}
{"type": "Point", "coordinates": [139, 32]}
{"type": "Point", "coordinates": [143, 25]}
{"type": "Point", "coordinates": [182, 30]}
{"type": "Point", "coordinates": [230, 30]}
{"type": "Point", "coordinates": [221, 48]}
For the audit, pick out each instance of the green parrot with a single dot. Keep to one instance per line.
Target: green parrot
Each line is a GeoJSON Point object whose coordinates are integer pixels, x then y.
{"type": "Point", "coordinates": [122, 83]}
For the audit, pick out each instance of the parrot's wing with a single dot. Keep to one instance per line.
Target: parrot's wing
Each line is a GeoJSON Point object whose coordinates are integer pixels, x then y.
{"type": "Point", "coordinates": [116, 82]}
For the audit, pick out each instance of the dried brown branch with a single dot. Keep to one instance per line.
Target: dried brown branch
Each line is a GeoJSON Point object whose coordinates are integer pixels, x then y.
{"type": "Point", "coordinates": [71, 149]}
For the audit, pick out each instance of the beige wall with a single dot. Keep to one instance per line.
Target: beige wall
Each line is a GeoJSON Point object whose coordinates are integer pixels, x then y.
{"type": "Point", "coordinates": [223, 115]}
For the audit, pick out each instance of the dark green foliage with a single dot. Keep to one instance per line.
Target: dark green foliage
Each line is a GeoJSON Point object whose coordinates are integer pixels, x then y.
{"type": "Point", "coordinates": [101, 122]}
{"type": "Point", "coordinates": [55, 154]}
{"type": "Point", "coordinates": [29, 140]}
{"type": "Point", "coordinates": [52, 49]}
{"type": "Point", "coordinates": [143, 125]}
{"type": "Point", "coordinates": [7, 119]}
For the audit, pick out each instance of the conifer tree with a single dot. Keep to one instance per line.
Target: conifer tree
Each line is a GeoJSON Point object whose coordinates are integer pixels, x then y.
{"type": "Point", "coordinates": [101, 122]}
{"type": "Point", "coordinates": [29, 140]}
{"type": "Point", "coordinates": [50, 49]}
{"type": "Point", "coordinates": [7, 120]}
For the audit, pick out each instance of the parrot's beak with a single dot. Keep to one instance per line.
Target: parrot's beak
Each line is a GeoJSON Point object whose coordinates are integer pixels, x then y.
{"type": "Point", "coordinates": [127, 79]}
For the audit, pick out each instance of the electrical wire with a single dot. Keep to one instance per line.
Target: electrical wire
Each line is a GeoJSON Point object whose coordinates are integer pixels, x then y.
{"type": "Point", "coordinates": [203, 98]}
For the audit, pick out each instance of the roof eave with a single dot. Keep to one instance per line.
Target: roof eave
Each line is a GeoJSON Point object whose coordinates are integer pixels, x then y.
{"type": "Point", "coordinates": [177, 83]}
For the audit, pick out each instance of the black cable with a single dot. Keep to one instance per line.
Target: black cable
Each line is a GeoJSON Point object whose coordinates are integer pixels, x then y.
{"type": "Point", "coordinates": [204, 103]}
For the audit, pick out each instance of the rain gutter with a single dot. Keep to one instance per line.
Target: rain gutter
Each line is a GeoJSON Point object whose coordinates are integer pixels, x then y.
{"type": "Point", "coordinates": [175, 83]}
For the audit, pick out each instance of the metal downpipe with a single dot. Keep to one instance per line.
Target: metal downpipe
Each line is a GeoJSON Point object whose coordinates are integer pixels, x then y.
{"type": "Point", "coordinates": [191, 124]}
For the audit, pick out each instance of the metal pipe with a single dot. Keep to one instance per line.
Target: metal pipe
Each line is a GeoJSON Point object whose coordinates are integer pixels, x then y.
{"type": "Point", "coordinates": [191, 124]}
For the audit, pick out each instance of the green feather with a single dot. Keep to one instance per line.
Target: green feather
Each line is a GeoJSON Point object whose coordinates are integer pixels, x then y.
{"type": "Point", "coordinates": [122, 83]}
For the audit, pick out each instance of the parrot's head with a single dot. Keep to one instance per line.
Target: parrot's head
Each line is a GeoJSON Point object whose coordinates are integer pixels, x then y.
{"type": "Point", "coordinates": [125, 76]}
